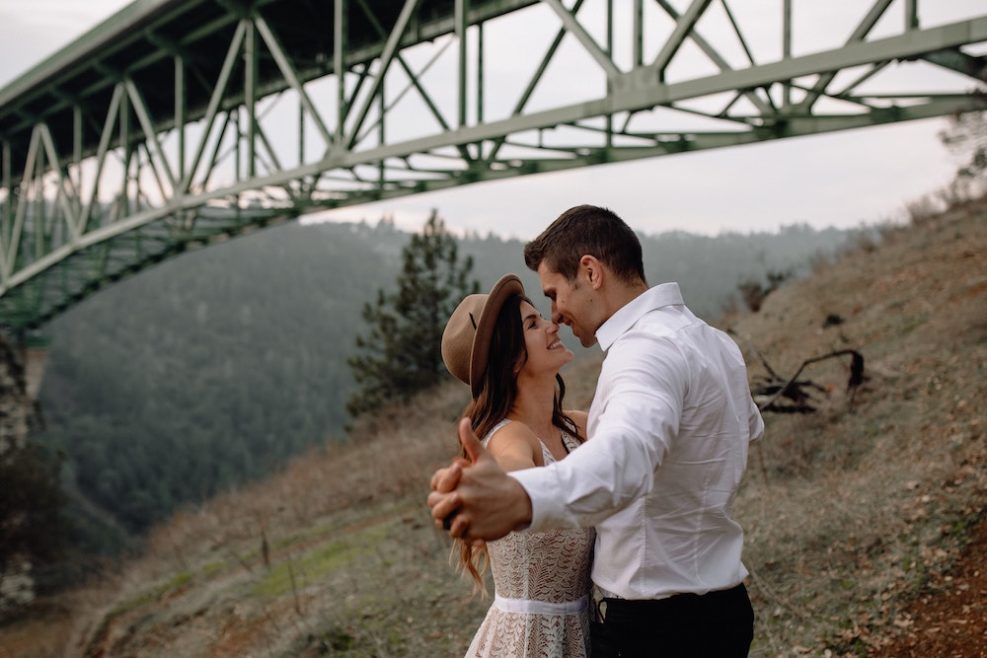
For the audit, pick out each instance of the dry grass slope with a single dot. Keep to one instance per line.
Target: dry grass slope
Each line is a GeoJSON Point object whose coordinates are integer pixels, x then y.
{"type": "Point", "coordinates": [857, 509]}
{"type": "Point", "coordinates": [850, 512]}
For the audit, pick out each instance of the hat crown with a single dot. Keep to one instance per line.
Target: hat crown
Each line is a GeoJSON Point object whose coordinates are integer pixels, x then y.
{"type": "Point", "coordinates": [466, 338]}
{"type": "Point", "coordinates": [459, 335]}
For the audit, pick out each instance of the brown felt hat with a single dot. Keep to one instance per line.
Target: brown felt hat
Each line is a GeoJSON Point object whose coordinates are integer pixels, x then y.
{"type": "Point", "coordinates": [466, 339]}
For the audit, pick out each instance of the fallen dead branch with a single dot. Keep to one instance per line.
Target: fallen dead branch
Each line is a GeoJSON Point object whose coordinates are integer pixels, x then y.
{"type": "Point", "coordinates": [793, 395]}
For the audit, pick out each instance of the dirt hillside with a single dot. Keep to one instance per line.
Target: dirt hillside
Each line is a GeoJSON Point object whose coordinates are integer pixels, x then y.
{"type": "Point", "coordinates": [866, 507]}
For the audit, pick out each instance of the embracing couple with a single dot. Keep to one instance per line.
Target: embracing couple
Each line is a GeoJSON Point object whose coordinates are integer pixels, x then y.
{"type": "Point", "coordinates": [610, 533]}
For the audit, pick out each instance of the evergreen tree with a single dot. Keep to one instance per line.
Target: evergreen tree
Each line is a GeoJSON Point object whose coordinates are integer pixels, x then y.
{"type": "Point", "coordinates": [966, 138]}
{"type": "Point", "coordinates": [31, 502]}
{"type": "Point", "coordinates": [400, 354]}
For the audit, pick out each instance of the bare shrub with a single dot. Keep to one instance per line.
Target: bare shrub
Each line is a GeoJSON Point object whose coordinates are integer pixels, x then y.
{"type": "Point", "coordinates": [754, 292]}
{"type": "Point", "coordinates": [819, 263]}
{"type": "Point", "coordinates": [866, 242]}
{"type": "Point", "coordinates": [923, 209]}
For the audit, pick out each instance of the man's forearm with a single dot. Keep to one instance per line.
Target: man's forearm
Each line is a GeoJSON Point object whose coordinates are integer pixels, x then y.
{"type": "Point", "coordinates": [592, 483]}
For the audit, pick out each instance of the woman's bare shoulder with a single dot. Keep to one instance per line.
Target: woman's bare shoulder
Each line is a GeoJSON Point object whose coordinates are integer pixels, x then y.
{"type": "Point", "coordinates": [513, 432]}
{"type": "Point", "coordinates": [581, 418]}
{"type": "Point", "coordinates": [513, 446]}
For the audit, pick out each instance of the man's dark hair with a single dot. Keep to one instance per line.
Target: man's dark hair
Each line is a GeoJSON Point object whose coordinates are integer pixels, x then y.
{"type": "Point", "coordinates": [591, 230]}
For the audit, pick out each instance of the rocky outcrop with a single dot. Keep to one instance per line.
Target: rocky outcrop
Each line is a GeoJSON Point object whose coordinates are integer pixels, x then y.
{"type": "Point", "coordinates": [16, 418]}
{"type": "Point", "coordinates": [15, 407]}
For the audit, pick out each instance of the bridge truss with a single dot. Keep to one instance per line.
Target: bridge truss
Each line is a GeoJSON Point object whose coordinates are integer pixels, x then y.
{"type": "Point", "coordinates": [179, 123]}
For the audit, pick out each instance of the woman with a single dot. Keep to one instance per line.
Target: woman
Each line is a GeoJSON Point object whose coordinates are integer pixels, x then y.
{"type": "Point", "coordinates": [510, 357]}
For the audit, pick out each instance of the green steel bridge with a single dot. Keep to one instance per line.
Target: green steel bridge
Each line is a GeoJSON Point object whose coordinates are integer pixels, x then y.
{"type": "Point", "coordinates": [180, 123]}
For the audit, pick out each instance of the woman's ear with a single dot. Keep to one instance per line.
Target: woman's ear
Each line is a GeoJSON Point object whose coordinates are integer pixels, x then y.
{"type": "Point", "coordinates": [519, 364]}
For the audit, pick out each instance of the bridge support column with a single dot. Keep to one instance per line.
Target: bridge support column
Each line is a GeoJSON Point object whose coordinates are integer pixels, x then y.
{"type": "Point", "coordinates": [34, 356]}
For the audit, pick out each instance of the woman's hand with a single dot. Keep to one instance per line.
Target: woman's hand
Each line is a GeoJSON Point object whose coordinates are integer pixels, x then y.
{"type": "Point", "coordinates": [445, 480]}
{"type": "Point", "coordinates": [483, 501]}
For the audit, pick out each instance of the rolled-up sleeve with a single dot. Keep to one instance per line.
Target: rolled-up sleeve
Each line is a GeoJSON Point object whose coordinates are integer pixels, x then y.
{"type": "Point", "coordinates": [643, 387]}
{"type": "Point", "coordinates": [755, 423]}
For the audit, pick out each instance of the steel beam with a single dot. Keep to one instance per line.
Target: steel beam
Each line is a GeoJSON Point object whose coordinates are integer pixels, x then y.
{"type": "Point", "coordinates": [384, 63]}
{"type": "Point", "coordinates": [639, 89]}
{"type": "Point", "coordinates": [288, 71]}
{"type": "Point", "coordinates": [104, 144]}
{"type": "Point", "coordinates": [7, 216]}
{"type": "Point", "coordinates": [861, 32]}
{"type": "Point", "coordinates": [52, 253]}
{"type": "Point", "coordinates": [64, 195]}
{"type": "Point", "coordinates": [23, 199]}
{"type": "Point", "coordinates": [714, 55]}
{"type": "Point", "coordinates": [340, 35]}
{"type": "Point", "coordinates": [250, 94]}
{"type": "Point", "coordinates": [147, 125]}
{"type": "Point", "coordinates": [214, 101]}
{"type": "Point", "coordinates": [683, 27]}
{"type": "Point", "coordinates": [589, 45]}
{"type": "Point", "coordinates": [180, 111]}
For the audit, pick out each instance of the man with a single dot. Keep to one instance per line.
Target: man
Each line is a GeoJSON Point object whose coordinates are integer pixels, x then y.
{"type": "Point", "coordinates": [669, 430]}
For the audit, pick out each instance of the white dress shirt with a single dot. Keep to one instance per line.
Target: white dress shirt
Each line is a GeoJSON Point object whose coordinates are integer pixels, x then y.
{"type": "Point", "coordinates": [669, 429]}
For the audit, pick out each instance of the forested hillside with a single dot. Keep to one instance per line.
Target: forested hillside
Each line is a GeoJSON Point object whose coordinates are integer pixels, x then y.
{"type": "Point", "coordinates": [217, 366]}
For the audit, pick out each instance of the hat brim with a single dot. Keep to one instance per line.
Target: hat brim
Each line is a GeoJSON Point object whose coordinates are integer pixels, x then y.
{"type": "Point", "coordinates": [508, 285]}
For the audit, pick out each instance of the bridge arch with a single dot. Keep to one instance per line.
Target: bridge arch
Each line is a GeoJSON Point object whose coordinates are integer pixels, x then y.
{"type": "Point", "coordinates": [166, 126]}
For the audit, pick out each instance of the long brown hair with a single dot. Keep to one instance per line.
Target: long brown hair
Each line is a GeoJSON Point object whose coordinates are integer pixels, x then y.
{"type": "Point", "coordinates": [495, 400]}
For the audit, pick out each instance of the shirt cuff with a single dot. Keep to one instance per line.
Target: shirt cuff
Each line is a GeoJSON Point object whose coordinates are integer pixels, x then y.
{"type": "Point", "coordinates": [547, 507]}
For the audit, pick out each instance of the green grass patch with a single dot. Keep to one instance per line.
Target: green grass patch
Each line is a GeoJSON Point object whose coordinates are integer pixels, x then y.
{"type": "Point", "coordinates": [318, 563]}
{"type": "Point", "coordinates": [213, 569]}
{"type": "Point", "coordinates": [911, 323]}
{"type": "Point", "coordinates": [337, 521]}
{"type": "Point", "coordinates": [180, 579]}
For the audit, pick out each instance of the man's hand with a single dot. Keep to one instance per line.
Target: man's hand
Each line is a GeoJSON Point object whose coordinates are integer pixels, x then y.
{"type": "Point", "coordinates": [481, 499]}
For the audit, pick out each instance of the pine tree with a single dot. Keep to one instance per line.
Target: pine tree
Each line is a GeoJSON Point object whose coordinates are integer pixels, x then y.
{"type": "Point", "coordinates": [400, 354]}
{"type": "Point", "coordinates": [966, 138]}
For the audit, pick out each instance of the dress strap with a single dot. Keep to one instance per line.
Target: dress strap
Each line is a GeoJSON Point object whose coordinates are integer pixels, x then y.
{"type": "Point", "coordinates": [566, 438]}
{"type": "Point", "coordinates": [530, 607]}
{"type": "Point", "coordinates": [493, 430]}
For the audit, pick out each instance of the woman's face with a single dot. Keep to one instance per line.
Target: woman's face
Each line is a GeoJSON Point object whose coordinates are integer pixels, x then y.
{"type": "Point", "coordinates": [546, 353]}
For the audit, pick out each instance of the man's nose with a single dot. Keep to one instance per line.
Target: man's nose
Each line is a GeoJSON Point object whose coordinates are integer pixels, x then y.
{"type": "Point", "coordinates": [556, 316]}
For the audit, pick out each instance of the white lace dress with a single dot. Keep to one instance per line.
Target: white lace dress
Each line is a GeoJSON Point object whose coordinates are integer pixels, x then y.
{"type": "Point", "coordinates": [542, 584]}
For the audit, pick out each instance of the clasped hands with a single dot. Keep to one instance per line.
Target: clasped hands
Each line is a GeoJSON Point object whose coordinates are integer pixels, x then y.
{"type": "Point", "coordinates": [474, 499]}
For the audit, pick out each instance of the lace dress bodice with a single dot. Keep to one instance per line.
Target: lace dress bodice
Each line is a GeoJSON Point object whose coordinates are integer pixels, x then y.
{"type": "Point", "coordinates": [541, 583]}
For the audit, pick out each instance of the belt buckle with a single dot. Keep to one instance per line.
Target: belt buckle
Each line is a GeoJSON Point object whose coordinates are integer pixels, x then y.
{"type": "Point", "coordinates": [599, 607]}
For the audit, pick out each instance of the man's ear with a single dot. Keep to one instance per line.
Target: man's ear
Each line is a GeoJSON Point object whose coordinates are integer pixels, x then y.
{"type": "Point", "coordinates": [592, 270]}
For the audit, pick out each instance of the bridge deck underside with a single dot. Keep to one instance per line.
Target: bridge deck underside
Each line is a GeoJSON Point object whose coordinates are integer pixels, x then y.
{"type": "Point", "coordinates": [179, 123]}
{"type": "Point", "coordinates": [143, 46]}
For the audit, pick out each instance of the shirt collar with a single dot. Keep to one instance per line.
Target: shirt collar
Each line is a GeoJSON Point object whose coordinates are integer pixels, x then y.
{"type": "Point", "coordinates": [665, 294]}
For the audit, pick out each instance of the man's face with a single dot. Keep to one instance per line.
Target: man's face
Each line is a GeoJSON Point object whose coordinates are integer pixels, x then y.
{"type": "Point", "coordinates": [572, 303]}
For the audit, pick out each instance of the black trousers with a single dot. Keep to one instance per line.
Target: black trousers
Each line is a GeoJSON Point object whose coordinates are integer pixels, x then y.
{"type": "Point", "coordinates": [714, 625]}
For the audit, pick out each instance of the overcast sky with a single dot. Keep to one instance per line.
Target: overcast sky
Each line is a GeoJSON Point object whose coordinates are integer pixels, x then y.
{"type": "Point", "coordinates": [840, 179]}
